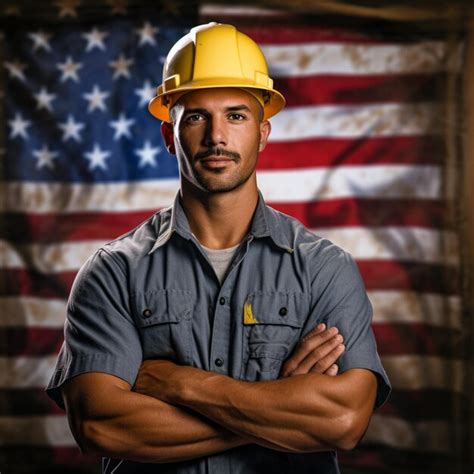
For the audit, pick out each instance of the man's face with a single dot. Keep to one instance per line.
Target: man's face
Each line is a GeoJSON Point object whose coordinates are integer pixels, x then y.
{"type": "Point", "coordinates": [217, 135]}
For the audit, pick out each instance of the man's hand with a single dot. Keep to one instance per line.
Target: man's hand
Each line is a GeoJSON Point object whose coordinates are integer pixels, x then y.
{"type": "Point", "coordinates": [316, 352]}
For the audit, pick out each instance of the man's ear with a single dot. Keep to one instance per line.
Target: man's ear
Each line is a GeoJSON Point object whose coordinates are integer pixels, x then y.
{"type": "Point", "coordinates": [265, 129]}
{"type": "Point", "coordinates": [168, 136]}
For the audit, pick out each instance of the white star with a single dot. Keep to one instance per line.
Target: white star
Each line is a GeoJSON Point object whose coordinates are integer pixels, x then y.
{"type": "Point", "coordinates": [71, 129]}
{"type": "Point", "coordinates": [147, 33]}
{"type": "Point", "coordinates": [97, 158]}
{"type": "Point", "coordinates": [15, 69]}
{"type": "Point", "coordinates": [122, 127]}
{"type": "Point", "coordinates": [147, 155]}
{"type": "Point", "coordinates": [96, 99]}
{"type": "Point", "coordinates": [69, 70]}
{"type": "Point", "coordinates": [95, 39]}
{"type": "Point", "coordinates": [121, 67]}
{"type": "Point", "coordinates": [44, 99]}
{"type": "Point", "coordinates": [146, 93]}
{"type": "Point", "coordinates": [119, 7]}
{"type": "Point", "coordinates": [19, 127]}
{"type": "Point", "coordinates": [40, 40]}
{"type": "Point", "coordinates": [67, 7]}
{"type": "Point", "coordinates": [45, 157]}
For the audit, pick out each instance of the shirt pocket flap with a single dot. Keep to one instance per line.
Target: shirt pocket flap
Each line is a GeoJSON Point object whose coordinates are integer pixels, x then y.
{"type": "Point", "coordinates": [161, 306]}
{"type": "Point", "coordinates": [280, 308]}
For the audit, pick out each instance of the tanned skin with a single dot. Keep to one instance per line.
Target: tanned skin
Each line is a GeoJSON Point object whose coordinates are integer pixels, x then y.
{"type": "Point", "coordinates": [176, 413]}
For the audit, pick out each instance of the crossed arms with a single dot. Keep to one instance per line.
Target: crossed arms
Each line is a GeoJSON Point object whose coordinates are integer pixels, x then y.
{"type": "Point", "coordinates": [175, 413]}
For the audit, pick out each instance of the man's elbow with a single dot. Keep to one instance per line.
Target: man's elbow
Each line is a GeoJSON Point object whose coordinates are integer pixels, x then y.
{"type": "Point", "coordinates": [352, 427]}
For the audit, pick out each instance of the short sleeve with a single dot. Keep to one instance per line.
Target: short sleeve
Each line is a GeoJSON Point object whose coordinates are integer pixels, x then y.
{"type": "Point", "coordinates": [99, 334]}
{"type": "Point", "coordinates": [340, 300]}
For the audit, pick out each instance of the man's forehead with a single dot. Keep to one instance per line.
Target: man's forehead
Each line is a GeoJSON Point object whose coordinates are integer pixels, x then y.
{"type": "Point", "coordinates": [222, 98]}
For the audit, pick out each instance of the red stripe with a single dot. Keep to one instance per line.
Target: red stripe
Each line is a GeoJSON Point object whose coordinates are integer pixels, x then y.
{"type": "Point", "coordinates": [27, 402]}
{"type": "Point", "coordinates": [418, 277]}
{"type": "Point", "coordinates": [292, 33]}
{"type": "Point", "coordinates": [327, 152]}
{"type": "Point", "coordinates": [47, 459]}
{"type": "Point", "coordinates": [50, 228]}
{"type": "Point", "coordinates": [377, 274]}
{"type": "Point", "coordinates": [419, 339]}
{"type": "Point", "coordinates": [20, 282]}
{"type": "Point", "coordinates": [31, 341]}
{"type": "Point", "coordinates": [349, 90]}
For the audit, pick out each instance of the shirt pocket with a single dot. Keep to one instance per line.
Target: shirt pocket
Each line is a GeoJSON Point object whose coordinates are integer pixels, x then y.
{"type": "Point", "coordinates": [164, 321]}
{"type": "Point", "coordinates": [272, 323]}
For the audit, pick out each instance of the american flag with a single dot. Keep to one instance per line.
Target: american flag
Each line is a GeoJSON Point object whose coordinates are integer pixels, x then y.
{"type": "Point", "coordinates": [359, 155]}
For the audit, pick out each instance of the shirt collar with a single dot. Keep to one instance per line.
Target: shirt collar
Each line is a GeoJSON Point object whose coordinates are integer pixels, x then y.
{"type": "Point", "coordinates": [265, 223]}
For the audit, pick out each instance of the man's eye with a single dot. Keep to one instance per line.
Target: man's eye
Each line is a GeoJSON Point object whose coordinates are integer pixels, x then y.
{"type": "Point", "coordinates": [194, 118]}
{"type": "Point", "coordinates": [236, 116]}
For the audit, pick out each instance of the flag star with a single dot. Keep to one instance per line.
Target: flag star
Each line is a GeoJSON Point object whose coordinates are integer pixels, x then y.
{"type": "Point", "coordinates": [96, 99]}
{"type": "Point", "coordinates": [97, 158]}
{"type": "Point", "coordinates": [95, 39]}
{"type": "Point", "coordinates": [71, 129]}
{"type": "Point", "coordinates": [146, 93]}
{"type": "Point", "coordinates": [44, 99]}
{"type": "Point", "coordinates": [122, 127]}
{"type": "Point", "coordinates": [121, 67]}
{"type": "Point", "coordinates": [19, 127]}
{"type": "Point", "coordinates": [69, 70]}
{"type": "Point", "coordinates": [147, 155]}
{"type": "Point", "coordinates": [67, 7]}
{"type": "Point", "coordinates": [147, 33]}
{"type": "Point", "coordinates": [118, 7]}
{"type": "Point", "coordinates": [45, 157]}
{"type": "Point", "coordinates": [15, 69]}
{"type": "Point", "coordinates": [40, 40]}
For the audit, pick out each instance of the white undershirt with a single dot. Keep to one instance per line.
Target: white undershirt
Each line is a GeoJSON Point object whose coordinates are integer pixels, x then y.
{"type": "Point", "coordinates": [221, 259]}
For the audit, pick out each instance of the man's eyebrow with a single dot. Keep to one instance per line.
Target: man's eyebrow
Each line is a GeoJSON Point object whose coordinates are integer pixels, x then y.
{"type": "Point", "coordinates": [238, 107]}
{"type": "Point", "coordinates": [232, 108]}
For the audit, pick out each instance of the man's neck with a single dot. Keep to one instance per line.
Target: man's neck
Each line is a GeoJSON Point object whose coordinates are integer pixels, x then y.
{"type": "Point", "coordinates": [220, 220]}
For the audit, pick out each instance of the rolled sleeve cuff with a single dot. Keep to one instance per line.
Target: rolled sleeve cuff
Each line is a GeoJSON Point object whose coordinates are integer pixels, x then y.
{"type": "Point", "coordinates": [105, 363]}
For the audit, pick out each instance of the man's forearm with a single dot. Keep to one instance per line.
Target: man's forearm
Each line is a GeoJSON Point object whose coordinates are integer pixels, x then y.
{"type": "Point", "coordinates": [128, 425]}
{"type": "Point", "coordinates": [303, 413]}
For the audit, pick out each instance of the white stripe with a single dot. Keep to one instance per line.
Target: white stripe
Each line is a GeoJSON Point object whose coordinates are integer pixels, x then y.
{"type": "Point", "coordinates": [390, 306]}
{"type": "Point", "coordinates": [412, 372]}
{"type": "Point", "coordinates": [47, 258]}
{"type": "Point", "coordinates": [237, 10]}
{"type": "Point", "coordinates": [411, 307]}
{"type": "Point", "coordinates": [27, 311]}
{"type": "Point", "coordinates": [381, 243]}
{"type": "Point", "coordinates": [412, 244]}
{"type": "Point", "coordinates": [355, 121]}
{"type": "Point", "coordinates": [65, 197]}
{"type": "Point", "coordinates": [406, 372]}
{"type": "Point", "coordinates": [35, 431]}
{"type": "Point", "coordinates": [398, 433]}
{"type": "Point", "coordinates": [308, 59]}
{"type": "Point", "coordinates": [374, 181]}
{"type": "Point", "coordinates": [26, 372]}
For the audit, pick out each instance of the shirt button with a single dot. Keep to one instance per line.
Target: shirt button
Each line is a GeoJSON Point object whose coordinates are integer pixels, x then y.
{"type": "Point", "coordinates": [147, 313]}
{"type": "Point", "coordinates": [222, 300]}
{"type": "Point", "coordinates": [219, 362]}
{"type": "Point", "coordinates": [283, 311]}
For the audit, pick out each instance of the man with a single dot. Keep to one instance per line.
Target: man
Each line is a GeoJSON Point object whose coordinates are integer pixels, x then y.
{"type": "Point", "coordinates": [204, 340]}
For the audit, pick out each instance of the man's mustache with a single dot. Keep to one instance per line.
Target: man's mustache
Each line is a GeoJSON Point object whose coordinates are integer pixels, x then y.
{"type": "Point", "coordinates": [217, 152]}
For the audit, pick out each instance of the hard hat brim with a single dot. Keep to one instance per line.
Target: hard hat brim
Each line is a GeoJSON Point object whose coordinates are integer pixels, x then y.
{"type": "Point", "coordinates": [272, 107]}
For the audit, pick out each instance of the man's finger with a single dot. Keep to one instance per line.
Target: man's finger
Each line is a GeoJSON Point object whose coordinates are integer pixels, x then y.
{"type": "Point", "coordinates": [307, 345]}
{"type": "Point", "coordinates": [322, 358]}
{"type": "Point", "coordinates": [332, 371]}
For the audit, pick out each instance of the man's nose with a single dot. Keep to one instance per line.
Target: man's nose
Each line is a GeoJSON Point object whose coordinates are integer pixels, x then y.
{"type": "Point", "coordinates": [216, 132]}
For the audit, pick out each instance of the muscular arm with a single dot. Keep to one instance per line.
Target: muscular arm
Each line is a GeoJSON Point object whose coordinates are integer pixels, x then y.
{"type": "Point", "coordinates": [108, 419]}
{"type": "Point", "coordinates": [303, 413]}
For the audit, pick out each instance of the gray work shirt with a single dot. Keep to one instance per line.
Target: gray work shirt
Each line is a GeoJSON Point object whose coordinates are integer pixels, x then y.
{"type": "Point", "coordinates": [152, 293]}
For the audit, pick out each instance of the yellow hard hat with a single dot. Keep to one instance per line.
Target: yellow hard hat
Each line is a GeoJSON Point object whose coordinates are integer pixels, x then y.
{"type": "Point", "coordinates": [214, 55]}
